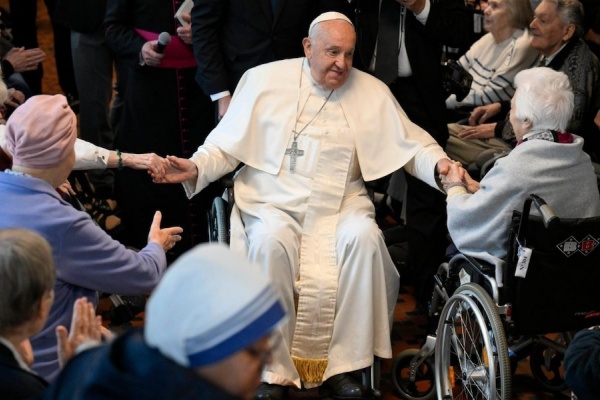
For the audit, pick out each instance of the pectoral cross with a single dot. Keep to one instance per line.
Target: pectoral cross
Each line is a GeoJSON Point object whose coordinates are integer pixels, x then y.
{"type": "Point", "coordinates": [294, 153]}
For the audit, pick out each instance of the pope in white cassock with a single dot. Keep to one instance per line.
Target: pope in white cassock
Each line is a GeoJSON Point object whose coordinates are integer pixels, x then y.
{"type": "Point", "coordinates": [310, 131]}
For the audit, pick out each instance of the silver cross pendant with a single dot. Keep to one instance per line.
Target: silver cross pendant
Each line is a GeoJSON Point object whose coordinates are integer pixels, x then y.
{"type": "Point", "coordinates": [294, 153]}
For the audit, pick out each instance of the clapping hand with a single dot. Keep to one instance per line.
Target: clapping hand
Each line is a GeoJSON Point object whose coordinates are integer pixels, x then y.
{"type": "Point", "coordinates": [85, 327]}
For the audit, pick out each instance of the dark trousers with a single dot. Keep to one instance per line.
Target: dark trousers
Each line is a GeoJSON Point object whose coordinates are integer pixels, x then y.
{"type": "Point", "coordinates": [24, 29]}
{"type": "Point", "coordinates": [425, 206]}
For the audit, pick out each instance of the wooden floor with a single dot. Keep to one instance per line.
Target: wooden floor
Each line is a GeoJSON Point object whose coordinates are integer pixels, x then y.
{"type": "Point", "coordinates": [409, 326]}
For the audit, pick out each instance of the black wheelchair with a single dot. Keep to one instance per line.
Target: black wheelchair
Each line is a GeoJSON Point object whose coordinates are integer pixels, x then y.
{"type": "Point", "coordinates": [218, 215]}
{"type": "Point", "coordinates": [484, 319]}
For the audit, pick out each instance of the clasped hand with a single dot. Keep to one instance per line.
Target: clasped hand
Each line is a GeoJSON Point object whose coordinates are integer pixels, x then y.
{"type": "Point", "coordinates": [457, 174]}
{"type": "Point", "coordinates": [173, 170]}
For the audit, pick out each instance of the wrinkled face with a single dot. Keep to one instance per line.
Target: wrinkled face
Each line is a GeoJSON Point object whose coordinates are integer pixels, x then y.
{"type": "Point", "coordinates": [520, 127]}
{"type": "Point", "coordinates": [548, 31]}
{"type": "Point", "coordinates": [329, 52]}
{"type": "Point", "coordinates": [495, 16]}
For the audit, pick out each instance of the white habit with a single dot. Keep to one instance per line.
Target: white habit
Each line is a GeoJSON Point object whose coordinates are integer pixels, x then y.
{"type": "Point", "coordinates": [313, 229]}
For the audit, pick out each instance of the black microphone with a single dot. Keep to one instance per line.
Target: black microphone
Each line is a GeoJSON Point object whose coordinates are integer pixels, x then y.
{"type": "Point", "coordinates": [163, 40]}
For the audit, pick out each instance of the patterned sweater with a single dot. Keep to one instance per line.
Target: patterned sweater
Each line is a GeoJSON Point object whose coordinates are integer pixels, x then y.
{"type": "Point", "coordinates": [494, 66]}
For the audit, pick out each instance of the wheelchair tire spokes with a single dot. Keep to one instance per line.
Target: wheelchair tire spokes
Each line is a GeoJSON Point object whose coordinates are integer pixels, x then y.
{"type": "Point", "coordinates": [471, 350]}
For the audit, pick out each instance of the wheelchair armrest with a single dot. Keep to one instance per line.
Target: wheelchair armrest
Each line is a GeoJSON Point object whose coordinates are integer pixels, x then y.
{"type": "Point", "coordinates": [489, 163]}
{"type": "Point", "coordinates": [226, 181]}
{"type": "Point", "coordinates": [483, 266]}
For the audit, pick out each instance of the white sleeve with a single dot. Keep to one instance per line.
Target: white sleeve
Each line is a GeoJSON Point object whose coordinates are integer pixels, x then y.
{"type": "Point", "coordinates": [423, 164]}
{"type": "Point", "coordinates": [90, 156]}
{"type": "Point", "coordinates": [212, 163]}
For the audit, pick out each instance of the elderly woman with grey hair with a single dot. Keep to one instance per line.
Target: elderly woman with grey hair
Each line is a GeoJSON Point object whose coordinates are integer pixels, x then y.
{"type": "Point", "coordinates": [556, 30]}
{"type": "Point", "coordinates": [547, 161]}
{"type": "Point", "coordinates": [498, 56]}
{"type": "Point", "coordinates": [40, 137]}
{"type": "Point", "coordinates": [27, 277]}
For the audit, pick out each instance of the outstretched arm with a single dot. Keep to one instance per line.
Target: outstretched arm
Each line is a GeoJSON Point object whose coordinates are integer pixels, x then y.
{"type": "Point", "coordinates": [177, 170]}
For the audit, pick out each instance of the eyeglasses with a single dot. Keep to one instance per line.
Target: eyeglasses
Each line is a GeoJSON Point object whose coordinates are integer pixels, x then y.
{"type": "Point", "coordinates": [265, 355]}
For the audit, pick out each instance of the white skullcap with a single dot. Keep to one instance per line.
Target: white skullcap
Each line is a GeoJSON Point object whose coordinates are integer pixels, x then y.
{"type": "Point", "coordinates": [210, 304]}
{"type": "Point", "coordinates": [328, 16]}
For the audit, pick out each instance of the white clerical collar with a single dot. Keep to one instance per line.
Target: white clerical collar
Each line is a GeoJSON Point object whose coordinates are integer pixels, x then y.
{"type": "Point", "coordinates": [311, 79]}
{"type": "Point", "coordinates": [16, 354]}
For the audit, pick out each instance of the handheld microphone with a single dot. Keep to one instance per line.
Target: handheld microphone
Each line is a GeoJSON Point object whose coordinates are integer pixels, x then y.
{"type": "Point", "coordinates": [163, 40]}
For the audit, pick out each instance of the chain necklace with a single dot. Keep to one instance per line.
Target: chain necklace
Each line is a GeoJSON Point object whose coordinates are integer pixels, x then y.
{"type": "Point", "coordinates": [293, 151]}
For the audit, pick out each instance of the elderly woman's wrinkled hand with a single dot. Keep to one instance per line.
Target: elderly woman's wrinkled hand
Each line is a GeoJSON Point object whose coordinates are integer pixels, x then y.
{"type": "Point", "coordinates": [481, 114]}
{"type": "Point", "coordinates": [149, 161]}
{"type": "Point", "coordinates": [454, 176]}
{"type": "Point", "coordinates": [25, 60]}
{"type": "Point", "coordinates": [177, 170]}
{"type": "Point", "coordinates": [483, 131]}
{"type": "Point", "coordinates": [472, 184]}
{"type": "Point", "coordinates": [15, 98]}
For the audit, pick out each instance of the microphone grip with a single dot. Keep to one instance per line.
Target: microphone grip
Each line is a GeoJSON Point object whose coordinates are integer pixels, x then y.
{"type": "Point", "coordinates": [163, 40]}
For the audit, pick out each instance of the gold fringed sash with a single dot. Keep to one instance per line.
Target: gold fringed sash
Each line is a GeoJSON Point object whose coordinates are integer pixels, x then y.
{"type": "Point", "coordinates": [318, 280]}
{"type": "Point", "coordinates": [310, 371]}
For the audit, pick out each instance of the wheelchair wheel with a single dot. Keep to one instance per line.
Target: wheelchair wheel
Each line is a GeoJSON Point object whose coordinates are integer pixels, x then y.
{"type": "Point", "coordinates": [471, 350]}
{"type": "Point", "coordinates": [218, 224]}
{"type": "Point", "coordinates": [423, 386]}
{"type": "Point", "coordinates": [546, 366]}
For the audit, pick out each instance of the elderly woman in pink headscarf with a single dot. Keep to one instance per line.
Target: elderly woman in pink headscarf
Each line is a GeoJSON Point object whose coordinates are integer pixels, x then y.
{"type": "Point", "coordinates": [40, 137]}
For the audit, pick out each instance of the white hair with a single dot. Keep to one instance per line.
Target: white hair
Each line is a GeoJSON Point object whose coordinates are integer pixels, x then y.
{"type": "Point", "coordinates": [3, 92]}
{"type": "Point", "coordinates": [543, 97]}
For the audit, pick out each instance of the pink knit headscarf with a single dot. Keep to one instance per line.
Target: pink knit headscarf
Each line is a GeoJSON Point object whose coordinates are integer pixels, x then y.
{"type": "Point", "coordinates": [41, 132]}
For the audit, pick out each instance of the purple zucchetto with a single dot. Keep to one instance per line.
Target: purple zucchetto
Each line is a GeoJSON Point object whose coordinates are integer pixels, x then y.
{"type": "Point", "coordinates": [41, 132]}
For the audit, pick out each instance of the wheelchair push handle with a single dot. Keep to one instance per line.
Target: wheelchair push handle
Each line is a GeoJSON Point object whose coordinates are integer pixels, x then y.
{"type": "Point", "coordinates": [550, 219]}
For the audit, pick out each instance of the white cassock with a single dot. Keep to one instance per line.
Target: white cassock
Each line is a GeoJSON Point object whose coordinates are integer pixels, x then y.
{"type": "Point", "coordinates": [313, 229]}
